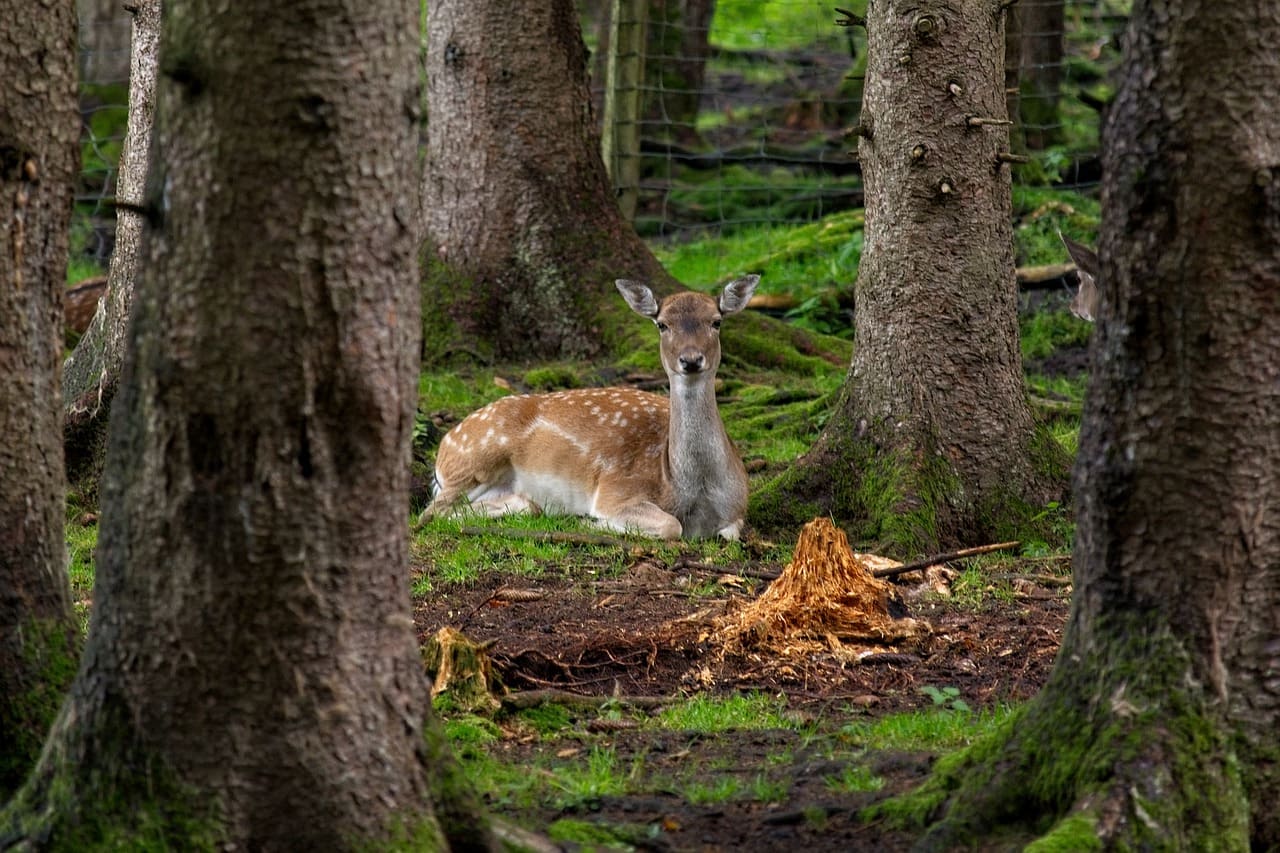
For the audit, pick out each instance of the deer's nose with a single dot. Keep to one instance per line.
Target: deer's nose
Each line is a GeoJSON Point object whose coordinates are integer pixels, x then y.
{"type": "Point", "coordinates": [692, 362]}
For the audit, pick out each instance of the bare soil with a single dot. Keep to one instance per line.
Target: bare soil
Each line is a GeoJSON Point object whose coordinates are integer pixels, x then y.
{"type": "Point", "coordinates": [645, 633]}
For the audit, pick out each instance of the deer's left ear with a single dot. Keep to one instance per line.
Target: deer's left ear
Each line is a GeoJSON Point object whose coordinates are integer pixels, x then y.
{"type": "Point", "coordinates": [737, 294]}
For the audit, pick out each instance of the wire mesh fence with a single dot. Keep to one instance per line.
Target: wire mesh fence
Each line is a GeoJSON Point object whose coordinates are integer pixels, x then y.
{"type": "Point", "coordinates": [738, 110]}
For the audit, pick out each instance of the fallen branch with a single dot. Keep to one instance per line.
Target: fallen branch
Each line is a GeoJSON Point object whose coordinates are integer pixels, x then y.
{"type": "Point", "coordinates": [943, 558]}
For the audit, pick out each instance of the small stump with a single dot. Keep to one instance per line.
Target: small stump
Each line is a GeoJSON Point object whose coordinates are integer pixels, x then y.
{"type": "Point", "coordinates": [825, 598]}
{"type": "Point", "coordinates": [461, 670]}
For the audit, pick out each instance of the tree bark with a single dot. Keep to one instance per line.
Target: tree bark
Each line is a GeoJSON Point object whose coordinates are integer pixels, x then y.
{"type": "Point", "coordinates": [524, 237]}
{"type": "Point", "coordinates": [92, 372]}
{"type": "Point", "coordinates": [933, 443]}
{"type": "Point", "coordinates": [1043, 25]}
{"type": "Point", "coordinates": [39, 157]}
{"type": "Point", "coordinates": [252, 678]}
{"type": "Point", "coordinates": [1157, 729]}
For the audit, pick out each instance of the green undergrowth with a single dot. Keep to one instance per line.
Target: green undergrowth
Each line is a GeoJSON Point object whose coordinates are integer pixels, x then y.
{"type": "Point", "coordinates": [460, 548]}
{"type": "Point", "coordinates": [547, 761]}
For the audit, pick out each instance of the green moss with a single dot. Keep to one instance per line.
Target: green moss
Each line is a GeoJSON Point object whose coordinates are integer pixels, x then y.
{"type": "Point", "coordinates": [50, 653]}
{"type": "Point", "coordinates": [582, 832]}
{"type": "Point", "coordinates": [443, 286]}
{"type": "Point", "coordinates": [1073, 834]}
{"type": "Point", "coordinates": [553, 377]}
{"type": "Point", "coordinates": [120, 800]}
{"type": "Point", "coordinates": [455, 802]}
{"type": "Point", "coordinates": [1123, 722]}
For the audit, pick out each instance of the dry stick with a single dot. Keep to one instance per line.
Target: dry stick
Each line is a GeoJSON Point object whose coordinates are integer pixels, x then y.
{"type": "Point", "coordinates": [943, 558]}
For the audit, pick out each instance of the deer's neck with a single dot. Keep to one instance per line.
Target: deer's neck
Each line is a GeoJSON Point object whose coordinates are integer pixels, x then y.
{"type": "Point", "coordinates": [698, 449]}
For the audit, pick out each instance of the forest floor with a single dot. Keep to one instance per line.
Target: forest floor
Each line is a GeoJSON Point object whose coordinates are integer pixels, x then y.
{"type": "Point", "coordinates": [646, 633]}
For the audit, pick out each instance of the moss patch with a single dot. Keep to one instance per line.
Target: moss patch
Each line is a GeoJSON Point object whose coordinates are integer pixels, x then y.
{"type": "Point", "coordinates": [49, 657]}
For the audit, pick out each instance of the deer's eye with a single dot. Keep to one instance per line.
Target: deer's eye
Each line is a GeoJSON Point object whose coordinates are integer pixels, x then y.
{"type": "Point", "coordinates": [715, 324]}
{"type": "Point", "coordinates": [662, 327]}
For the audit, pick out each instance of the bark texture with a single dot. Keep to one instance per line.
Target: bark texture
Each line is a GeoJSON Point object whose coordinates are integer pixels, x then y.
{"type": "Point", "coordinates": [1158, 727]}
{"type": "Point", "coordinates": [933, 438]}
{"type": "Point", "coordinates": [524, 236]}
{"type": "Point", "coordinates": [252, 676]}
{"type": "Point", "coordinates": [39, 156]}
{"type": "Point", "coordinates": [92, 372]}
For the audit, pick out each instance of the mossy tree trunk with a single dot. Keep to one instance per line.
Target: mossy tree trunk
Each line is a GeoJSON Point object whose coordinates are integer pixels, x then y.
{"type": "Point", "coordinates": [39, 157]}
{"type": "Point", "coordinates": [252, 677]}
{"type": "Point", "coordinates": [932, 442]}
{"type": "Point", "coordinates": [92, 372]}
{"type": "Point", "coordinates": [524, 235]}
{"type": "Point", "coordinates": [1157, 729]}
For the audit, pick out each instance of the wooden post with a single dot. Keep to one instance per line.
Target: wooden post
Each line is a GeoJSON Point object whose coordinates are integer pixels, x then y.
{"type": "Point", "coordinates": [624, 74]}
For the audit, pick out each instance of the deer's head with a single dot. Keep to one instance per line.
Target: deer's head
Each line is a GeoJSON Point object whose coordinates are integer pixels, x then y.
{"type": "Point", "coordinates": [689, 324]}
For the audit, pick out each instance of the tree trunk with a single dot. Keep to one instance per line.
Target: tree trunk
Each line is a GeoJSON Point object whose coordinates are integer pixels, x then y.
{"type": "Point", "coordinates": [1157, 729]}
{"type": "Point", "coordinates": [524, 236]}
{"type": "Point", "coordinates": [1043, 26]}
{"type": "Point", "coordinates": [39, 157]}
{"type": "Point", "coordinates": [252, 678]}
{"type": "Point", "coordinates": [675, 65]}
{"type": "Point", "coordinates": [932, 443]}
{"type": "Point", "coordinates": [92, 372]}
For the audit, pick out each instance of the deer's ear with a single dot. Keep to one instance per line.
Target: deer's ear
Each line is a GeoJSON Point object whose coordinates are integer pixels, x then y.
{"type": "Point", "coordinates": [737, 294]}
{"type": "Point", "coordinates": [1083, 257]}
{"type": "Point", "coordinates": [639, 297]}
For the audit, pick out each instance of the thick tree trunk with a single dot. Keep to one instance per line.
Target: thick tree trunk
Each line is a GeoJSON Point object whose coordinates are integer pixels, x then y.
{"type": "Point", "coordinates": [933, 442]}
{"type": "Point", "coordinates": [39, 156]}
{"type": "Point", "coordinates": [1158, 727]}
{"type": "Point", "coordinates": [92, 372]}
{"type": "Point", "coordinates": [252, 675]}
{"type": "Point", "coordinates": [524, 236]}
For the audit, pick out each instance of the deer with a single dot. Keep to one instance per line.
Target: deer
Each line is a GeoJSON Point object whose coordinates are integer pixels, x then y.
{"type": "Point", "coordinates": [630, 460]}
{"type": "Point", "coordinates": [1084, 302]}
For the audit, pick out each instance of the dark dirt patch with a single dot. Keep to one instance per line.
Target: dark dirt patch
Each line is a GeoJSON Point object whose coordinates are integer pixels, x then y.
{"type": "Point", "coordinates": [644, 633]}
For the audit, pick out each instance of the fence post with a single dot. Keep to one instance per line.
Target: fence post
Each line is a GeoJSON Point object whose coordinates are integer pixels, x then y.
{"type": "Point", "coordinates": [624, 74]}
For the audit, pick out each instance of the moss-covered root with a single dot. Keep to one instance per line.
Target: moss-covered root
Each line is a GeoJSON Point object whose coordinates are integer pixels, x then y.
{"type": "Point", "coordinates": [1121, 750]}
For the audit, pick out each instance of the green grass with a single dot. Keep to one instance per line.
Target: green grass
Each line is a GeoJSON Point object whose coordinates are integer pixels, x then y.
{"type": "Point", "coordinates": [720, 714]}
{"type": "Point", "coordinates": [853, 779]}
{"type": "Point", "coordinates": [931, 730]}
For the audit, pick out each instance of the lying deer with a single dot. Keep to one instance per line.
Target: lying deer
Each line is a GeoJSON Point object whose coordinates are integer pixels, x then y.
{"type": "Point", "coordinates": [1084, 302]}
{"type": "Point", "coordinates": [631, 460]}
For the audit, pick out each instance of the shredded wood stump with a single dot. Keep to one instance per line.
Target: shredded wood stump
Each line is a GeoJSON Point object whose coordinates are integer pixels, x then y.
{"type": "Point", "coordinates": [461, 668]}
{"type": "Point", "coordinates": [825, 599]}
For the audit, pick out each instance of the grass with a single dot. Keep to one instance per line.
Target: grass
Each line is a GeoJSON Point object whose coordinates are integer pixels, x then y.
{"type": "Point", "coordinates": [709, 714]}
{"type": "Point", "coordinates": [546, 777]}
{"type": "Point", "coordinates": [933, 730]}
